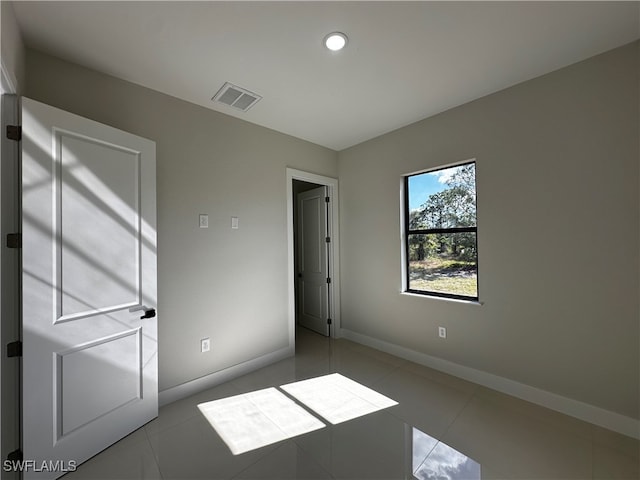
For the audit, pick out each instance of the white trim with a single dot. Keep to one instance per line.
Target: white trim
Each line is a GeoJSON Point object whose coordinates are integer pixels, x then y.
{"type": "Point", "coordinates": [191, 387]}
{"type": "Point", "coordinates": [575, 408]}
{"type": "Point", "coordinates": [10, 311]}
{"type": "Point", "coordinates": [7, 81]}
{"type": "Point", "coordinates": [334, 260]}
{"type": "Point", "coordinates": [404, 285]}
{"type": "Point", "coordinates": [445, 299]}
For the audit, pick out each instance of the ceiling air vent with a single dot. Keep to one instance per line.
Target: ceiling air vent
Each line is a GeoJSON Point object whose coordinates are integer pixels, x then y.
{"type": "Point", "coordinates": [236, 97]}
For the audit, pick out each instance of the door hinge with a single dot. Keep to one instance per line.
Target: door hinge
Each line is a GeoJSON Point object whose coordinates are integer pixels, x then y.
{"type": "Point", "coordinates": [14, 349]}
{"type": "Point", "coordinates": [15, 456]}
{"type": "Point", "coordinates": [328, 321]}
{"type": "Point", "coordinates": [14, 240]}
{"type": "Point", "coordinates": [327, 199]}
{"type": "Point", "coordinates": [14, 132]}
{"type": "Point", "coordinates": [328, 239]}
{"type": "Point", "coordinates": [328, 279]}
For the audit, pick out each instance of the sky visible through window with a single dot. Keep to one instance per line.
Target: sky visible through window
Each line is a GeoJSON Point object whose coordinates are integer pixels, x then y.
{"type": "Point", "coordinates": [421, 186]}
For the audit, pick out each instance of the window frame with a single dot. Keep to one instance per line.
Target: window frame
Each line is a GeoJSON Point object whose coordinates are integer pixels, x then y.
{"type": "Point", "coordinates": [434, 231]}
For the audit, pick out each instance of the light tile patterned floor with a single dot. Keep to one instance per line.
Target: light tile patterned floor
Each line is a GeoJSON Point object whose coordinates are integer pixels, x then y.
{"type": "Point", "coordinates": [441, 426]}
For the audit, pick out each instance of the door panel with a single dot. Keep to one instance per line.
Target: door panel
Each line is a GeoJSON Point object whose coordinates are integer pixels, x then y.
{"type": "Point", "coordinates": [312, 300]}
{"type": "Point", "coordinates": [110, 360]}
{"type": "Point", "coordinates": [313, 289]}
{"type": "Point", "coordinates": [88, 271]}
{"type": "Point", "coordinates": [99, 195]}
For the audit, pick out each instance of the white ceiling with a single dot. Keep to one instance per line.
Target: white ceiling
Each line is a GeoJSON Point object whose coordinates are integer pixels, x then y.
{"type": "Point", "coordinates": [405, 61]}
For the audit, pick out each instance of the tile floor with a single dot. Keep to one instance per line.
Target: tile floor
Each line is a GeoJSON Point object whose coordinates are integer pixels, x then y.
{"type": "Point", "coordinates": [442, 428]}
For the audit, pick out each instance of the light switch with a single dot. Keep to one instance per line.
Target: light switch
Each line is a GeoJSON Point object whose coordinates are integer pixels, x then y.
{"type": "Point", "coordinates": [204, 221]}
{"type": "Point", "coordinates": [234, 223]}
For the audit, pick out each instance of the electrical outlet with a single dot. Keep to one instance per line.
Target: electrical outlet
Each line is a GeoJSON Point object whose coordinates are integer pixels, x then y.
{"type": "Point", "coordinates": [442, 332]}
{"type": "Point", "coordinates": [205, 345]}
{"type": "Point", "coordinates": [204, 220]}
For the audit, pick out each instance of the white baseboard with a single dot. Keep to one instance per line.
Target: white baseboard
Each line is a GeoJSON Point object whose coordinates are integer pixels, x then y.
{"type": "Point", "coordinates": [208, 381]}
{"type": "Point", "coordinates": [575, 408]}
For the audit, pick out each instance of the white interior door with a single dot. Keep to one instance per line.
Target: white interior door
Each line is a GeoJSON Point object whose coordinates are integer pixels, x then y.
{"type": "Point", "coordinates": [89, 275]}
{"type": "Point", "coordinates": [313, 267]}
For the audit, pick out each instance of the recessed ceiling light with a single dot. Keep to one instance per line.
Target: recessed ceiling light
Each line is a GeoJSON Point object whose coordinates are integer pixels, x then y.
{"type": "Point", "coordinates": [335, 41]}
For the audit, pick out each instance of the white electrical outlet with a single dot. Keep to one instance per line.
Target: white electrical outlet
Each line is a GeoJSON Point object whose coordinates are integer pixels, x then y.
{"type": "Point", "coordinates": [205, 345]}
{"type": "Point", "coordinates": [442, 332]}
{"type": "Point", "coordinates": [204, 221]}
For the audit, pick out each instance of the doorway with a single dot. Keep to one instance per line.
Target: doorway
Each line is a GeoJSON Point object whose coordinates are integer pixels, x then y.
{"type": "Point", "coordinates": [300, 185]}
{"type": "Point", "coordinates": [311, 259]}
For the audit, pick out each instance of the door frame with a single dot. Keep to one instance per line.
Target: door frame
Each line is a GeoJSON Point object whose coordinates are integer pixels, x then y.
{"type": "Point", "coordinates": [10, 315]}
{"type": "Point", "coordinates": [334, 250]}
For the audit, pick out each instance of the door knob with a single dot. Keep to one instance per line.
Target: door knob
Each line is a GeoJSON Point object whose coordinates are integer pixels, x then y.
{"type": "Point", "coordinates": [148, 312]}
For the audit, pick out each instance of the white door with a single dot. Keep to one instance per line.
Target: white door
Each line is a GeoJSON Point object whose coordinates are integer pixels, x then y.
{"type": "Point", "coordinates": [89, 274]}
{"type": "Point", "coordinates": [313, 266]}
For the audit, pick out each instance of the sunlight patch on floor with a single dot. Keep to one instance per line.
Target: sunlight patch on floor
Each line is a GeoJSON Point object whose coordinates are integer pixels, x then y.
{"type": "Point", "coordinates": [256, 419]}
{"type": "Point", "coordinates": [337, 398]}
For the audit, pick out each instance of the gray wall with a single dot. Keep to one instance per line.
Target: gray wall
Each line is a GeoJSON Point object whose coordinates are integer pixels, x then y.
{"type": "Point", "coordinates": [230, 285]}
{"type": "Point", "coordinates": [558, 224]}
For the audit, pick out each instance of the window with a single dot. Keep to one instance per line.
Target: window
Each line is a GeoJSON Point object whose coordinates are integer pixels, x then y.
{"type": "Point", "coordinates": [441, 234]}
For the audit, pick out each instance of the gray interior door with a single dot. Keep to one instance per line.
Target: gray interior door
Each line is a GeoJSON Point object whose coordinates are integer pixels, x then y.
{"type": "Point", "coordinates": [313, 267]}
